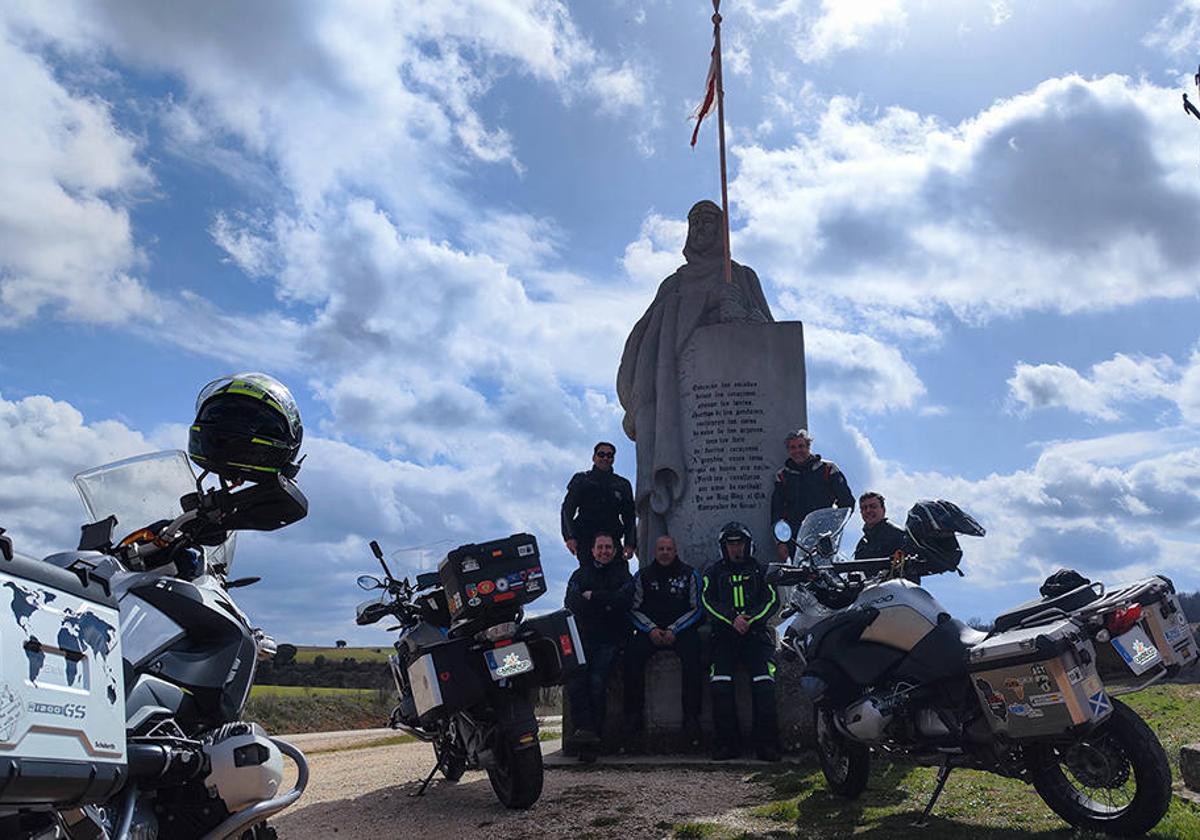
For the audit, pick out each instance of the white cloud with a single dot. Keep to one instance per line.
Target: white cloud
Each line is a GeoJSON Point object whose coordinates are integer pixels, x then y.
{"type": "Point", "coordinates": [67, 179]}
{"type": "Point", "coordinates": [1119, 381]}
{"type": "Point", "coordinates": [618, 88]}
{"type": "Point", "coordinates": [827, 27]}
{"type": "Point", "coordinates": [1065, 198]}
{"type": "Point", "coordinates": [1178, 31]}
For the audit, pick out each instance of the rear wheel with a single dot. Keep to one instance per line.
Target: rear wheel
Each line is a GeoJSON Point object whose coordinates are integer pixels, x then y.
{"type": "Point", "coordinates": [518, 775]}
{"type": "Point", "coordinates": [845, 763]}
{"type": "Point", "coordinates": [1116, 781]}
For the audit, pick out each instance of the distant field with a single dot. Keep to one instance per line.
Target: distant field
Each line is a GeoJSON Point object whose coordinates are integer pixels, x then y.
{"type": "Point", "coordinates": [337, 654]}
{"type": "Point", "coordinates": [304, 690]}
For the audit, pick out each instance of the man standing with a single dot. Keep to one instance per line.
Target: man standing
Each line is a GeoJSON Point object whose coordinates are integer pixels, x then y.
{"type": "Point", "coordinates": [805, 483]}
{"type": "Point", "coordinates": [740, 602]}
{"type": "Point", "coordinates": [880, 538]}
{"type": "Point", "coordinates": [665, 613]}
{"type": "Point", "coordinates": [599, 595]}
{"type": "Point", "coordinates": [598, 500]}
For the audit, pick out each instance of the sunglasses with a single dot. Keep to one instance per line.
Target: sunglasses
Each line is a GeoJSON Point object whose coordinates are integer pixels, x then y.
{"type": "Point", "coordinates": [606, 454]}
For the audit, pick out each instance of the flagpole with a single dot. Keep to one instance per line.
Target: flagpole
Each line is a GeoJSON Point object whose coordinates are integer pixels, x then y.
{"type": "Point", "coordinates": [716, 18]}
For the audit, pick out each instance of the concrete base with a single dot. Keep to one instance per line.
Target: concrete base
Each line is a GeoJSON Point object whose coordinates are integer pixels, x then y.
{"type": "Point", "coordinates": [664, 715]}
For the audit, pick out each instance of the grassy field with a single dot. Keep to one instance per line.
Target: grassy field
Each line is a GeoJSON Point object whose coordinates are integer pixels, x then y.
{"type": "Point", "coordinates": [282, 709]}
{"type": "Point", "coordinates": [974, 805]}
{"type": "Point", "coordinates": [337, 654]}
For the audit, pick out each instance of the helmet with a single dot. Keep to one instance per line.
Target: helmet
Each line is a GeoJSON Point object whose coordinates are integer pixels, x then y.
{"type": "Point", "coordinates": [736, 531]}
{"type": "Point", "coordinates": [931, 526]}
{"type": "Point", "coordinates": [247, 426]}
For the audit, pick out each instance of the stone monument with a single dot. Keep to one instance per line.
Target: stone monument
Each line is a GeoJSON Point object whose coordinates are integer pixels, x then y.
{"type": "Point", "coordinates": [710, 384]}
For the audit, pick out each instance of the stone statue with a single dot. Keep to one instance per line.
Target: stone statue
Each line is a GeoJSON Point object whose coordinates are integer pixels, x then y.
{"type": "Point", "coordinates": [696, 295]}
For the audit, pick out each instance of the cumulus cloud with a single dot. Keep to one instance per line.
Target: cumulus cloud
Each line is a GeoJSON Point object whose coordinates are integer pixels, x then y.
{"type": "Point", "coordinates": [1177, 32]}
{"type": "Point", "coordinates": [1063, 198]}
{"type": "Point", "coordinates": [66, 183]}
{"type": "Point", "coordinates": [1099, 394]}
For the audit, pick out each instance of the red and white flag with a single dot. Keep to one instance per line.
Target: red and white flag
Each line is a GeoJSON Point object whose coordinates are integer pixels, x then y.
{"type": "Point", "coordinates": [710, 93]}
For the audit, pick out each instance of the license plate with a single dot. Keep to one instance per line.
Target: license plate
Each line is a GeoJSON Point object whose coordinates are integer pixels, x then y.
{"type": "Point", "coordinates": [1137, 650]}
{"type": "Point", "coordinates": [508, 661]}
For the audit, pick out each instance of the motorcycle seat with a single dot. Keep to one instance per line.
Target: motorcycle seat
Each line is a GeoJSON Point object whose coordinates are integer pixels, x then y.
{"type": "Point", "coordinates": [1065, 603]}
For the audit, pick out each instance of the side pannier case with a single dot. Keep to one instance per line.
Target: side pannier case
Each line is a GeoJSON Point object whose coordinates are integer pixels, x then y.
{"type": "Point", "coordinates": [1038, 681]}
{"type": "Point", "coordinates": [555, 643]}
{"type": "Point", "coordinates": [1159, 643]}
{"type": "Point", "coordinates": [444, 679]}
{"type": "Point", "coordinates": [62, 686]}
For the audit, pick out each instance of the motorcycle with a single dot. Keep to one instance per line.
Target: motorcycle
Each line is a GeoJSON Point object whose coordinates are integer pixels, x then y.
{"type": "Point", "coordinates": [467, 663]}
{"type": "Point", "coordinates": [890, 670]}
{"type": "Point", "coordinates": [127, 665]}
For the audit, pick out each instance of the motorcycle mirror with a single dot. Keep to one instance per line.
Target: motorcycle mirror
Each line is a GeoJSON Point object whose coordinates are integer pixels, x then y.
{"type": "Point", "coordinates": [378, 552]}
{"type": "Point", "coordinates": [369, 582]}
{"type": "Point", "coordinates": [783, 531]}
{"type": "Point", "coordinates": [428, 579]}
{"type": "Point", "coordinates": [246, 581]}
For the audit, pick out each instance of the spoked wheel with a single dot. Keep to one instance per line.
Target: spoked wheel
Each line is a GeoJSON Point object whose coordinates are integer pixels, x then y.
{"type": "Point", "coordinates": [517, 776]}
{"type": "Point", "coordinates": [845, 763]}
{"type": "Point", "coordinates": [1116, 781]}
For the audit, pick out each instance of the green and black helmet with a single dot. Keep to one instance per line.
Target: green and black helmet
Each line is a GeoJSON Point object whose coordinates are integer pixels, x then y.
{"type": "Point", "coordinates": [247, 426]}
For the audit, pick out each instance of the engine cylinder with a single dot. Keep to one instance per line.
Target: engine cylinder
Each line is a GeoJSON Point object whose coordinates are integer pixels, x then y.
{"type": "Point", "coordinates": [865, 721]}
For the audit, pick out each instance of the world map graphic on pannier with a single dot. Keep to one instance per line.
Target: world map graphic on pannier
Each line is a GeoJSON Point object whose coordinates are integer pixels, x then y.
{"type": "Point", "coordinates": [79, 632]}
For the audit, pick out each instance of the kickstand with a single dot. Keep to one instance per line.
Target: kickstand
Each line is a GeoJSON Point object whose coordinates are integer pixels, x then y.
{"type": "Point", "coordinates": [428, 779]}
{"type": "Point", "coordinates": [943, 775]}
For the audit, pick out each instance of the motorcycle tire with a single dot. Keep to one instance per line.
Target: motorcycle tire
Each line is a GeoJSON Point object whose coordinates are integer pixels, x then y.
{"type": "Point", "coordinates": [845, 763]}
{"type": "Point", "coordinates": [1124, 759]}
{"type": "Point", "coordinates": [517, 776]}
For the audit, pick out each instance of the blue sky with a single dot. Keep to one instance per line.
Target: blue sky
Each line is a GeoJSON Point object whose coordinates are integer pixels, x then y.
{"type": "Point", "coordinates": [437, 223]}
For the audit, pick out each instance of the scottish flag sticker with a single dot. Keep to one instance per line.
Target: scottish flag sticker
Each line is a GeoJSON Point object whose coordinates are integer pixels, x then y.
{"type": "Point", "coordinates": [1100, 704]}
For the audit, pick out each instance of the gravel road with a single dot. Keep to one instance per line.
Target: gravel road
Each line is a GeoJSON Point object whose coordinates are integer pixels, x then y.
{"type": "Point", "coordinates": [364, 792]}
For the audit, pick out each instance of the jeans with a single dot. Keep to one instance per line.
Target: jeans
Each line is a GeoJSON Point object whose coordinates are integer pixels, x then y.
{"type": "Point", "coordinates": [587, 687]}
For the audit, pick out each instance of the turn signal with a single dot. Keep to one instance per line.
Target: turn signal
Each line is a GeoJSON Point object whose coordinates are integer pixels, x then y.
{"type": "Point", "coordinates": [1120, 621]}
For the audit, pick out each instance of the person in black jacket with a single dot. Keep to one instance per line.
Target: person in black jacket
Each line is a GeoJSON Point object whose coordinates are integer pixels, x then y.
{"type": "Point", "coordinates": [881, 538]}
{"type": "Point", "coordinates": [599, 596]}
{"type": "Point", "coordinates": [805, 483]}
{"type": "Point", "coordinates": [740, 604]}
{"type": "Point", "coordinates": [665, 613]}
{"type": "Point", "coordinates": [599, 500]}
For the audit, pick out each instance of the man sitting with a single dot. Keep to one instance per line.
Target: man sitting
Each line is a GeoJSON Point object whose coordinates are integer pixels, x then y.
{"type": "Point", "coordinates": [665, 613]}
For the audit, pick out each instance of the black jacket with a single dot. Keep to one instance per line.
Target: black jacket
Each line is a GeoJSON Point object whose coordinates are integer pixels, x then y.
{"type": "Point", "coordinates": [880, 540]}
{"type": "Point", "coordinates": [602, 618]}
{"type": "Point", "coordinates": [733, 589]}
{"type": "Point", "coordinates": [802, 488]}
{"type": "Point", "coordinates": [666, 597]}
{"type": "Point", "coordinates": [599, 500]}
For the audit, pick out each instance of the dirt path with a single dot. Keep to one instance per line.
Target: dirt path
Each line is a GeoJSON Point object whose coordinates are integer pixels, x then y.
{"type": "Point", "coordinates": [365, 793]}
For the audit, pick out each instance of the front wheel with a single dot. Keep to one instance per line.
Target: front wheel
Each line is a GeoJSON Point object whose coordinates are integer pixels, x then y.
{"type": "Point", "coordinates": [845, 763]}
{"type": "Point", "coordinates": [1116, 781]}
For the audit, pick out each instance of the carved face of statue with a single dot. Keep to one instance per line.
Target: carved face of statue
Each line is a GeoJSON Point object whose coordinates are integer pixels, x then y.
{"type": "Point", "coordinates": [704, 231]}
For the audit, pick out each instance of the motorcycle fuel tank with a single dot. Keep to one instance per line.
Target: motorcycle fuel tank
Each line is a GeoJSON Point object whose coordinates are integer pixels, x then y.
{"type": "Point", "coordinates": [907, 613]}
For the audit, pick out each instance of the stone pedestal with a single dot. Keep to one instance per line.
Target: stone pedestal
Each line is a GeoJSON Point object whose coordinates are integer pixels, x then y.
{"type": "Point", "coordinates": [742, 388]}
{"type": "Point", "coordinates": [664, 716]}
{"type": "Point", "coordinates": [1189, 766]}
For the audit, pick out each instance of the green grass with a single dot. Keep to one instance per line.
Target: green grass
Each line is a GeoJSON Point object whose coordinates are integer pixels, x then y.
{"type": "Point", "coordinates": [336, 654]}
{"type": "Point", "coordinates": [695, 830]}
{"type": "Point", "coordinates": [306, 690]}
{"type": "Point", "coordinates": [974, 805]}
{"type": "Point", "coordinates": [284, 709]}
